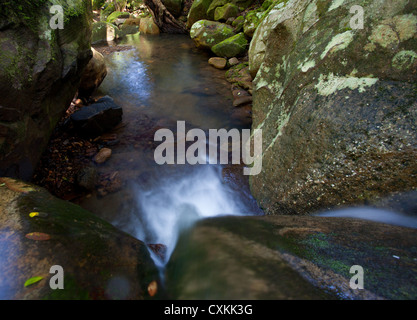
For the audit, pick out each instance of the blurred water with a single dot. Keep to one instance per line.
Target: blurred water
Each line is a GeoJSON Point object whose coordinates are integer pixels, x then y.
{"type": "Point", "coordinates": [162, 80]}
{"type": "Point", "coordinates": [374, 214]}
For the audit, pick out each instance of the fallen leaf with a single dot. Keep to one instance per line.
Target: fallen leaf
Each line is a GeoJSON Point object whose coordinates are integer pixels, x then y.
{"type": "Point", "coordinates": [38, 236]}
{"type": "Point", "coordinates": [153, 288]}
{"type": "Point", "coordinates": [32, 281]}
{"type": "Point", "coordinates": [38, 214]}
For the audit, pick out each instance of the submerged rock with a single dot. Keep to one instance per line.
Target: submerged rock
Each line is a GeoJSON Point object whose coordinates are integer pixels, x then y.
{"type": "Point", "coordinates": [98, 118]}
{"type": "Point", "coordinates": [338, 113]}
{"type": "Point", "coordinates": [98, 261]}
{"type": "Point", "coordinates": [288, 257]}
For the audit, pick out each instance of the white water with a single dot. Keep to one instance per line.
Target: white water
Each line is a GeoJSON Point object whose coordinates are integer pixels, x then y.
{"type": "Point", "coordinates": [374, 214]}
{"type": "Point", "coordinates": [178, 202]}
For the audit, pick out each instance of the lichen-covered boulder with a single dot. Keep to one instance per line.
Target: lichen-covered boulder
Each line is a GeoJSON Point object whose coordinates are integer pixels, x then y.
{"type": "Point", "coordinates": [252, 20]}
{"type": "Point", "coordinates": [40, 70]}
{"type": "Point", "coordinates": [336, 103]}
{"type": "Point", "coordinates": [39, 231]}
{"type": "Point", "coordinates": [198, 11]}
{"type": "Point", "coordinates": [231, 47]}
{"type": "Point", "coordinates": [229, 10]}
{"type": "Point", "coordinates": [206, 33]}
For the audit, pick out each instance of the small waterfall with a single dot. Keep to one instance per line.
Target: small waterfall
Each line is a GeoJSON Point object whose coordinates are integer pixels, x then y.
{"type": "Point", "coordinates": [178, 202]}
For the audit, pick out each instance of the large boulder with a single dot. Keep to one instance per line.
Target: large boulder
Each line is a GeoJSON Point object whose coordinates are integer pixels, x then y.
{"type": "Point", "coordinates": [40, 71]}
{"type": "Point", "coordinates": [93, 75]}
{"type": "Point", "coordinates": [198, 11]}
{"type": "Point", "coordinates": [337, 104]}
{"type": "Point", "coordinates": [206, 33]}
{"type": "Point", "coordinates": [39, 231]}
{"type": "Point", "coordinates": [289, 257]}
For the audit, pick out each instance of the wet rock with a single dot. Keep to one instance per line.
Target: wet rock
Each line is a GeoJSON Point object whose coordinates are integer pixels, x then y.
{"type": "Point", "coordinates": [40, 70]}
{"type": "Point", "coordinates": [95, 256]}
{"type": "Point", "coordinates": [93, 75]}
{"type": "Point", "coordinates": [98, 118]}
{"type": "Point", "coordinates": [102, 156]}
{"type": "Point", "coordinates": [160, 250]}
{"type": "Point", "coordinates": [242, 115]}
{"type": "Point", "coordinates": [207, 33]}
{"type": "Point", "coordinates": [288, 257]}
{"type": "Point", "coordinates": [109, 183]}
{"type": "Point", "coordinates": [344, 114]}
{"type": "Point", "coordinates": [218, 63]}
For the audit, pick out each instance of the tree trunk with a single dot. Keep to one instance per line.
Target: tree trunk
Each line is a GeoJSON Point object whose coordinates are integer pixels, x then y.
{"type": "Point", "coordinates": [163, 18]}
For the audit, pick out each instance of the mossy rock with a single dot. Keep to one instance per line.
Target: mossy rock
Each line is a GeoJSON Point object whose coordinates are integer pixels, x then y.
{"type": "Point", "coordinates": [148, 26]}
{"type": "Point", "coordinates": [289, 257]}
{"type": "Point", "coordinates": [206, 33]}
{"type": "Point", "coordinates": [98, 260]}
{"type": "Point", "coordinates": [231, 47]}
{"type": "Point", "coordinates": [252, 20]}
{"type": "Point", "coordinates": [198, 11]}
{"type": "Point", "coordinates": [242, 4]}
{"type": "Point", "coordinates": [40, 69]}
{"type": "Point", "coordinates": [225, 12]}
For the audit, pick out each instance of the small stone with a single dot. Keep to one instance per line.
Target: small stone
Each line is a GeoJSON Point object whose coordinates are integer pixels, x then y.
{"type": "Point", "coordinates": [233, 61]}
{"type": "Point", "coordinates": [219, 63]}
{"type": "Point", "coordinates": [102, 156]}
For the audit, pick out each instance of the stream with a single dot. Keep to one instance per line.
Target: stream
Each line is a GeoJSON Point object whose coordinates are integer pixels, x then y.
{"type": "Point", "coordinates": [160, 81]}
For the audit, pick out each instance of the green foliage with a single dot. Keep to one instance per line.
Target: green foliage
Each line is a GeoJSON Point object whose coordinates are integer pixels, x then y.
{"type": "Point", "coordinates": [24, 12]}
{"type": "Point", "coordinates": [98, 4]}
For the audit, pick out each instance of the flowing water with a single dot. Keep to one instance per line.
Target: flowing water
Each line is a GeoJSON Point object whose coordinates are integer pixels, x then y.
{"type": "Point", "coordinates": [160, 81]}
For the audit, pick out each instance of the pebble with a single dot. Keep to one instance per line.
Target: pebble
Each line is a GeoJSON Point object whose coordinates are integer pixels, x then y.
{"type": "Point", "coordinates": [102, 156]}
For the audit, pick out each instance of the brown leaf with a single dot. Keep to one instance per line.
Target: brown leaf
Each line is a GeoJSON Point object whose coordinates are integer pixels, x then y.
{"type": "Point", "coordinates": [153, 288]}
{"type": "Point", "coordinates": [38, 236]}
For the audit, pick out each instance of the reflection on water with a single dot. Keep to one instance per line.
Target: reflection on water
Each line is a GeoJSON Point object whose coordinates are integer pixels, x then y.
{"type": "Point", "coordinates": [163, 80]}
{"type": "Point", "coordinates": [166, 77]}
